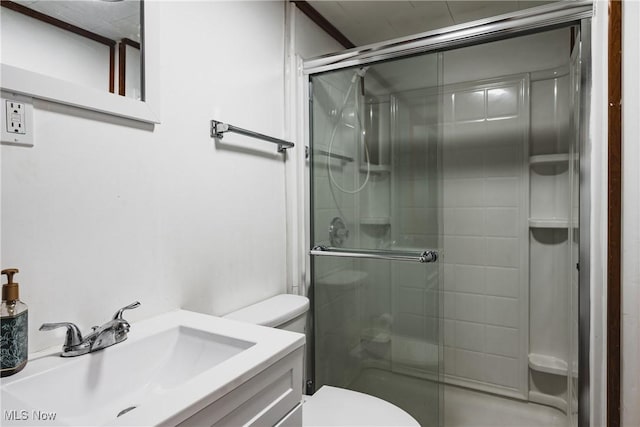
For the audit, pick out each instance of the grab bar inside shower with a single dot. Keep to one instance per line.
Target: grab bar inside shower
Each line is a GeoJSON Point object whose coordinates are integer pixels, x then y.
{"type": "Point", "coordinates": [219, 128]}
{"type": "Point", "coordinates": [420, 256]}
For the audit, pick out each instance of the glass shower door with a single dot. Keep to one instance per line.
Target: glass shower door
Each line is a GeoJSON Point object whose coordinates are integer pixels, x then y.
{"type": "Point", "coordinates": [376, 287]}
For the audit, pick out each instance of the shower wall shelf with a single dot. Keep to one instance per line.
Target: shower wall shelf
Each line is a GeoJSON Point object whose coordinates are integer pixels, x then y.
{"type": "Point", "coordinates": [344, 278]}
{"type": "Point", "coordinates": [375, 221]}
{"type": "Point", "coordinates": [337, 156]}
{"type": "Point", "coordinates": [218, 129]}
{"type": "Point", "coordinates": [547, 364]}
{"type": "Point", "coordinates": [548, 223]}
{"type": "Point", "coordinates": [380, 169]}
{"type": "Point", "coordinates": [549, 159]}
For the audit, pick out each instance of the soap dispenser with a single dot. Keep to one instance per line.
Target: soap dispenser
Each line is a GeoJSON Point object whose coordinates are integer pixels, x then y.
{"type": "Point", "coordinates": [13, 326]}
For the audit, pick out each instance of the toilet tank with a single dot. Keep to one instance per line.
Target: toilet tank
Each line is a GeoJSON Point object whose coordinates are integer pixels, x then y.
{"type": "Point", "coordinates": [284, 311]}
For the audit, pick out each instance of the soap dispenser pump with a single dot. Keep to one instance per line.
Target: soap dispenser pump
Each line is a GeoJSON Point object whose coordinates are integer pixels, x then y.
{"type": "Point", "coordinates": [13, 326]}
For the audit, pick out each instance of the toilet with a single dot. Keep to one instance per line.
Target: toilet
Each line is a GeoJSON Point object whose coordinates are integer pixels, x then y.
{"type": "Point", "coordinates": [329, 406]}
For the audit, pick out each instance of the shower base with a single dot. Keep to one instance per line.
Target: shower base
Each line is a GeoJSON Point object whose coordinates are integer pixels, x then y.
{"type": "Point", "coordinates": [462, 408]}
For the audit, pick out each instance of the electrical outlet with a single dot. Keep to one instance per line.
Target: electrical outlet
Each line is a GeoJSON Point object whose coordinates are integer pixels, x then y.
{"type": "Point", "coordinates": [15, 112]}
{"type": "Point", "coordinates": [17, 120]}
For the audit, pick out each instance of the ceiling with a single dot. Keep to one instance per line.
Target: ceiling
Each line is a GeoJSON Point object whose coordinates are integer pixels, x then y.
{"type": "Point", "coordinates": [362, 22]}
{"type": "Point", "coordinates": [365, 22]}
{"type": "Point", "coordinates": [112, 19]}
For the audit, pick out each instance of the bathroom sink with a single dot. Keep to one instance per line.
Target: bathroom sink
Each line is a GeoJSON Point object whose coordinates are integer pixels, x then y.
{"type": "Point", "coordinates": [169, 368]}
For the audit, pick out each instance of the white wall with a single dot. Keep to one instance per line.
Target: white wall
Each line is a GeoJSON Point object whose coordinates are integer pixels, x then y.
{"type": "Point", "coordinates": [133, 82]}
{"type": "Point", "coordinates": [105, 211]}
{"type": "Point", "coordinates": [311, 40]}
{"type": "Point", "coordinates": [305, 40]}
{"type": "Point", "coordinates": [631, 217]}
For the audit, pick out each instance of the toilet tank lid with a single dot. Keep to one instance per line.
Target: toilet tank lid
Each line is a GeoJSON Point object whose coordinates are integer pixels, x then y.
{"type": "Point", "coordinates": [272, 312]}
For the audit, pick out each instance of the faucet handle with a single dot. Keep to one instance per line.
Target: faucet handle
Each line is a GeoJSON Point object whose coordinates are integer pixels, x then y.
{"type": "Point", "coordinates": [118, 315]}
{"type": "Point", "coordinates": [73, 338]}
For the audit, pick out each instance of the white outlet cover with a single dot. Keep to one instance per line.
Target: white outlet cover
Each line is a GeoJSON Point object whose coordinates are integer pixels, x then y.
{"type": "Point", "coordinates": [12, 138]}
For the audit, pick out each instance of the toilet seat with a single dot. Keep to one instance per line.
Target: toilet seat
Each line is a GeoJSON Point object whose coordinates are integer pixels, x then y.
{"type": "Point", "coordinates": [333, 406]}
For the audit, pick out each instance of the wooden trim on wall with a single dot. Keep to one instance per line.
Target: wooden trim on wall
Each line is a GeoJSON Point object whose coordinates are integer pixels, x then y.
{"type": "Point", "coordinates": [131, 43]}
{"type": "Point", "coordinates": [122, 68]}
{"type": "Point", "coordinates": [122, 63]}
{"type": "Point", "coordinates": [16, 7]}
{"type": "Point", "coordinates": [112, 68]}
{"type": "Point", "coordinates": [614, 207]}
{"type": "Point", "coordinates": [323, 23]}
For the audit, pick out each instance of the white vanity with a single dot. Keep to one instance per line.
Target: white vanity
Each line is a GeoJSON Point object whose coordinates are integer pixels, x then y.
{"type": "Point", "coordinates": [179, 368]}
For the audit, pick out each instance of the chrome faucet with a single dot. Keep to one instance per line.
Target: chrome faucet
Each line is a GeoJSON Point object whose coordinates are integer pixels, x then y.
{"type": "Point", "coordinates": [112, 332]}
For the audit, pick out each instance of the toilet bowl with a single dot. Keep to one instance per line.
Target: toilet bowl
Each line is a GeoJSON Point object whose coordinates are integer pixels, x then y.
{"type": "Point", "coordinates": [328, 406]}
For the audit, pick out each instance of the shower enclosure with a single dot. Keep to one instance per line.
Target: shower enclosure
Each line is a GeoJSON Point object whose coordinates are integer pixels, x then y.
{"type": "Point", "coordinates": [445, 229]}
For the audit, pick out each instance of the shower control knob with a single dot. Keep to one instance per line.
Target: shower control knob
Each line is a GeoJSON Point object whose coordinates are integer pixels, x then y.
{"type": "Point", "coordinates": [338, 232]}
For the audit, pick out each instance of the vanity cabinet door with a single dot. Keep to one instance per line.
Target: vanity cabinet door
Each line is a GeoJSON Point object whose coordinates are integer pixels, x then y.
{"type": "Point", "coordinates": [265, 400]}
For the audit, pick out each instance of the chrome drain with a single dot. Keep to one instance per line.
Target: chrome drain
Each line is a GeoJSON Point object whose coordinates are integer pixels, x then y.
{"type": "Point", "coordinates": [124, 411]}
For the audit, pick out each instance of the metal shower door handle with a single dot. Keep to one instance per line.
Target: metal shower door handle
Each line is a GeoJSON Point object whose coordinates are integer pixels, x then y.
{"type": "Point", "coordinates": [422, 257]}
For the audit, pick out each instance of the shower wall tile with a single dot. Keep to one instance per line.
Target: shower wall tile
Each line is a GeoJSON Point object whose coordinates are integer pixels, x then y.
{"type": "Point", "coordinates": [413, 193]}
{"type": "Point", "coordinates": [377, 302]}
{"type": "Point", "coordinates": [470, 364]}
{"type": "Point", "coordinates": [410, 275]}
{"type": "Point", "coordinates": [503, 160]}
{"type": "Point", "coordinates": [409, 325]}
{"type": "Point", "coordinates": [449, 360]}
{"type": "Point", "coordinates": [465, 250]}
{"type": "Point", "coordinates": [470, 336]}
{"type": "Point", "coordinates": [463, 221]}
{"type": "Point", "coordinates": [502, 102]}
{"type": "Point", "coordinates": [469, 105]}
{"type": "Point", "coordinates": [449, 279]}
{"type": "Point", "coordinates": [460, 193]}
{"type": "Point", "coordinates": [501, 341]}
{"type": "Point", "coordinates": [432, 333]}
{"type": "Point", "coordinates": [463, 162]}
{"type": "Point", "coordinates": [432, 302]}
{"type": "Point", "coordinates": [502, 371]}
{"type": "Point", "coordinates": [502, 282]}
{"type": "Point", "coordinates": [322, 197]}
{"type": "Point", "coordinates": [470, 307]}
{"type": "Point", "coordinates": [485, 171]}
{"type": "Point", "coordinates": [503, 252]}
{"type": "Point", "coordinates": [411, 301]}
{"type": "Point", "coordinates": [549, 117]}
{"type": "Point", "coordinates": [502, 311]}
{"type": "Point", "coordinates": [501, 222]}
{"type": "Point", "coordinates": [503, 192]}
{"type": "Point", "coordinates": [470, 278]}
{"type": "Point", "coordinates": [449, 333]}
{"type": "Point", "coordinates": [449, 305]}
{"type": "Point", "coordinates": [416, 220]}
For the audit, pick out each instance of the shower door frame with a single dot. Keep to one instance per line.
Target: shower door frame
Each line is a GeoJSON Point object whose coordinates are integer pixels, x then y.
{"type": "Point", "coordinates": [478, 32]}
